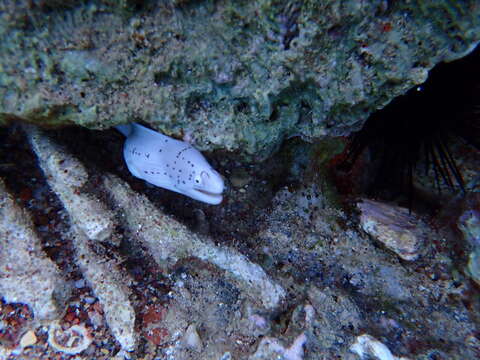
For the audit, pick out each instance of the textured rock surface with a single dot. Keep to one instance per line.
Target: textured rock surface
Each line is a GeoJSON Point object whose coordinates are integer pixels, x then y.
{"type": "Point", "coordinates": [110, 284]}
{"type": "Point", "coordinates": [169, 241]}
{"type": "Point", "coordinates": [26, 274]}
{"type": "Point", "coordinates": [469, 225]}
{"type": "Point", "coordinates": [393, 226]}
{"type": "Point", "coordinates": [279, 269]}
{"type": "Point", "coordinates": [236, 75]}
{"type": "Point", "coordinates": [66, 176]}
{"type": "Point", "coordinates": [378, 292]}
{"type": "Point", "coordinates": [166, 240]}
{"type": "Point", "coordinates": [91, 222]}
{"type": "Point", "coordinates": [367, 346]}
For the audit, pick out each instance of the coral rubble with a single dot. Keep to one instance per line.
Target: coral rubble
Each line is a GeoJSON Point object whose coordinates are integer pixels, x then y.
{"type": "Point", "coordinates": [27, 275]}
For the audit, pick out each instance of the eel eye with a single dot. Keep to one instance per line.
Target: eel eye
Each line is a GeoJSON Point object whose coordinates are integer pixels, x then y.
{"type": "Point", "coordinates": [203, 178]}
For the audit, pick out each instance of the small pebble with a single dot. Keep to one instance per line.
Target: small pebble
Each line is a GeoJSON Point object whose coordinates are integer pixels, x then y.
{"type": "Point", "coordinates": [89, 300]}
{"type": "Point", "coordinates": [80, 283]}
{"type": "Point", "coordinates": [192, 340]}
{"type": "Point", "coordinates": [28, 339]}
{"type": "Point", "coordinates": [240, 178]}
{"type": "Point", "coordinates": [226, 356]}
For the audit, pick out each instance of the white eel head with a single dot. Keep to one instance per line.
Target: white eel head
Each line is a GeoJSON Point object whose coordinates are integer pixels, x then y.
{"type": "Point", "coordinates": [208, 187]}
{"type": "Point", "coordinates": [194, 177]}
{"type": "Point", "coordinates": [172, 164]}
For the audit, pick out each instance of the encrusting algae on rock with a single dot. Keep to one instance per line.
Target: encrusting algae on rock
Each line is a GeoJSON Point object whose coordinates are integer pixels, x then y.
{"type": "Point", "coordinates": [240, 76]}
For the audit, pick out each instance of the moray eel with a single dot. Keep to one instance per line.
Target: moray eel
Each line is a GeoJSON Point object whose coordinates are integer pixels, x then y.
{"type": "Point", "coordinates": [171, 164]}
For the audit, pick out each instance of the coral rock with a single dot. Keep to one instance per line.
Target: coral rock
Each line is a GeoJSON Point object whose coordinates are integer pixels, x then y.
{"type": "Point", "coordinates": [66, 176]}
{"type": "Point", "coordinates": [367, 347]}
{"type": "Point", "coordinates": [238, 75]}
{"type": "Point", "coordinates": [21, 258]}
{"type": "Point", "coordinates": [168, 241]}
{"type": "Point", "coordinates": [394, 227]}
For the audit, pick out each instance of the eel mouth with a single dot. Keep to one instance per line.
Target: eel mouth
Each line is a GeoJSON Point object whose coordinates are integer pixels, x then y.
{"type": "Point", "coordinates": [208, 196]}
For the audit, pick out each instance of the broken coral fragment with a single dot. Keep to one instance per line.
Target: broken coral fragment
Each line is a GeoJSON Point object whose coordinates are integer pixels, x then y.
{"type": "Point", "coordinates": [66, 176]}
{"type": "Point", "coordinates": [191, 339]}
{"type": "Point", "coordinates": [71, 341]}
{"type": "Point", "coordinates": [394, 227]}
{"type": "Point", "coordinates": [469, 225]}
{"type": "Point", "coordinates": [26, 274]}
{"type": "Point", "coordinates": [110, 285]}
{"type": "Point", "coordinates": [28, 339]}
{"type": "Point", "coordinates": [271, 348]}
{"type": "Point", "coordinates": [91, 221]}
{"type": "Point", "coordinates": [168, 241]}
{"type": "Point", "coordinates": [367, 347]}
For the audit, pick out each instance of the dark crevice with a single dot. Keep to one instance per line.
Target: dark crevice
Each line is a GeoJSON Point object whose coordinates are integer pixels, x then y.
{"type": "Point", "coordinates": [421, 130]}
